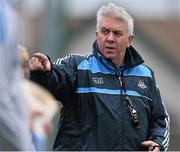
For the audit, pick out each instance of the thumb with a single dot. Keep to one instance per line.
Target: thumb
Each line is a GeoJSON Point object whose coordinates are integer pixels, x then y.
{"type": "Point", "coordinates": [46, 63]}
{"type": "Point", "coordinates": [146, 143]}
{"type": "Point", "coordinates": [48, 66]}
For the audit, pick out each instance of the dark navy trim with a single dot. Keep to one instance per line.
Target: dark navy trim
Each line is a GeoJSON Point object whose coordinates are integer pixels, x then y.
{"type": "Point", "coordinates": [106, 91]}
{"type": "Point", "coordinates": [93, 65]}
{"type": "Point", "coordinates": [139, 70]}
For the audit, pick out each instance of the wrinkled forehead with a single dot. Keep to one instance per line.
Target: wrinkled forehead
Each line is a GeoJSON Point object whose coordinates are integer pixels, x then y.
{"type": "Point", "coordinates": [113, 23]}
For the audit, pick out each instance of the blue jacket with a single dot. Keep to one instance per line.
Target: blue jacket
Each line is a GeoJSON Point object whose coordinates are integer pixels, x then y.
{"type": "Point", "coordinates": [96, 113]}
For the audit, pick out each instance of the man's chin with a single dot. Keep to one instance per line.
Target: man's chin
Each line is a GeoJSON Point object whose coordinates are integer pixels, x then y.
{"type": "Point", "coordinates": [110, 57]}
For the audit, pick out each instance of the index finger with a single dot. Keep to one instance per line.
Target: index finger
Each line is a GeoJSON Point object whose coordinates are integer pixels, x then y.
{"type": "Point", "coordinates": [40, 56]}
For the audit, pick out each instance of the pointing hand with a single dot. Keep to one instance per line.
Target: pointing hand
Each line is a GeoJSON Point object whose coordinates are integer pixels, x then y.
{"type": "Point", "coordinates": [40, 62]}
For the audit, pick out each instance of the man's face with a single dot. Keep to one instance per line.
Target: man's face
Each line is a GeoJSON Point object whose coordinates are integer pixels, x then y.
{"type": "Point", "coordinates": [112, 37]}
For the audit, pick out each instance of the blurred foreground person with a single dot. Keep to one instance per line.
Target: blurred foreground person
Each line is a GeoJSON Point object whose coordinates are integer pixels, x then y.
{"type": "Point", "coordinates": [110, 99]}
{"type": "Point", "coordinates": [14, 121]}
{"type": "Point", "coordinates": [42, 108]}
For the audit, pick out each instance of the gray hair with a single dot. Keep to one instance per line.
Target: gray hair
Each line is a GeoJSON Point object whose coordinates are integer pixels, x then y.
{"type": "Point", "coordinates": [112, 10]}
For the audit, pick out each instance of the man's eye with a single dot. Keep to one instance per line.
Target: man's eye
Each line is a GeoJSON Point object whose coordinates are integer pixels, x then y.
{"type": "Point", "coordinates": [118, 34]}
{"type": "Point", "coordinates": [104, 31]}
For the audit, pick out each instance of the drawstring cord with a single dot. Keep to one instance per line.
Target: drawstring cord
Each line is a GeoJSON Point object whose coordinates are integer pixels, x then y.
{"type": "Point", "coordinates": [131, 107]}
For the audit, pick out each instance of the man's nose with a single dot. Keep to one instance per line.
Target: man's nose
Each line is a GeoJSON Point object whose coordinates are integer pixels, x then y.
{"type": "Point", "coordinates": [110, 37]}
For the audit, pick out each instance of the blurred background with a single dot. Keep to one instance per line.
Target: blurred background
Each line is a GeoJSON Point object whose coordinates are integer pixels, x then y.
{"type": "Point", "coordinates": [60, 27]}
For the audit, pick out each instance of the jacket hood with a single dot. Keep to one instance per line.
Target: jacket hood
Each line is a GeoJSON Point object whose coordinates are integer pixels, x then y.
{"type": "Point", "coordinates": [132, 57]}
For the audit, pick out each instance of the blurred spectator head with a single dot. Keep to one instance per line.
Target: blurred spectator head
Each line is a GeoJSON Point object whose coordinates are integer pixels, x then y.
{"type": "Point", "coordinates": [24, 55]}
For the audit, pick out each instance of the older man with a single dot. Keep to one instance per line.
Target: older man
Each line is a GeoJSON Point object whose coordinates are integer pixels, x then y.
{"type": "Point", "coordinates": [110, 97]}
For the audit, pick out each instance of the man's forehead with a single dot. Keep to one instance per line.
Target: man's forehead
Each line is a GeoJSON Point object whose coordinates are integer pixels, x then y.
{"type": "Point", "coordinates": [112, 22]}
{"type": "Point", "coordinates": [113, 27]}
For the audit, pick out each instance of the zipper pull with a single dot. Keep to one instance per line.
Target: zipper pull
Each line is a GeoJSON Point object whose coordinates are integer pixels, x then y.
{"type": "Point", "coordinates": [120, 81]}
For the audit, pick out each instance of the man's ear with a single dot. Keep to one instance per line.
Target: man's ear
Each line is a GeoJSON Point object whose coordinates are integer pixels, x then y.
{"type": "Point", "coordinates": [96, 34]}
{"type": "Point", "coordinates": [131, 38]}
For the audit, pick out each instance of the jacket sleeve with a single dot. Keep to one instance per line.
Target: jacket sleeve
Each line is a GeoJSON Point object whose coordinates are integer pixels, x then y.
{"type": "Point", "coordinates": [60, 81]}
{"type": "Point", "coordinates": [160, 123]}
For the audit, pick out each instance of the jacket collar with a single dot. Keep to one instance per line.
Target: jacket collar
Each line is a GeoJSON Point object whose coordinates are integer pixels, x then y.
{"type": "Point", "coordinates": [132, 57]}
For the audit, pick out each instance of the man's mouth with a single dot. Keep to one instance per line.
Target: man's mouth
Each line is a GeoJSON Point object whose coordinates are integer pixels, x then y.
{"type": "Point", "coordinates": [110, 47]}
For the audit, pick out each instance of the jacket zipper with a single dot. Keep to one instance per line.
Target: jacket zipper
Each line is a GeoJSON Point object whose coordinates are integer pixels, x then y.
{"type": "Point", "coordinates": [121, 84]}
{"type": "Point", "coordinates": [122, 109]}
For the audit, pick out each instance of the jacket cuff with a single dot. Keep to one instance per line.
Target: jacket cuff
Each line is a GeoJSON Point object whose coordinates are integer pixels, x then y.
{"type": "Point", "coordinates": [159, 143]}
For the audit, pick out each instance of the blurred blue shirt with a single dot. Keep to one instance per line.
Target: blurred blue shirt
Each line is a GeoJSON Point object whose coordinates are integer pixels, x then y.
{"type": "Point", "coordinates": [15, 132]}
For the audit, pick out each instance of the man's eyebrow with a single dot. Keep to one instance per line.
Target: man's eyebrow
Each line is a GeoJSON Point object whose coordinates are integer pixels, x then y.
{"type": "Point", "coordinates": [103, 27]}
{"type": "Point", "coordinates": [117, 30]}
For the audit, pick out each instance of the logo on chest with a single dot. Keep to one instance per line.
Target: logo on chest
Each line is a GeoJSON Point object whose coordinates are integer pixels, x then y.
{"type": "Point", "coordinates": [141, 84]}
{"type": "Point", "coordinates": [97, 80]}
